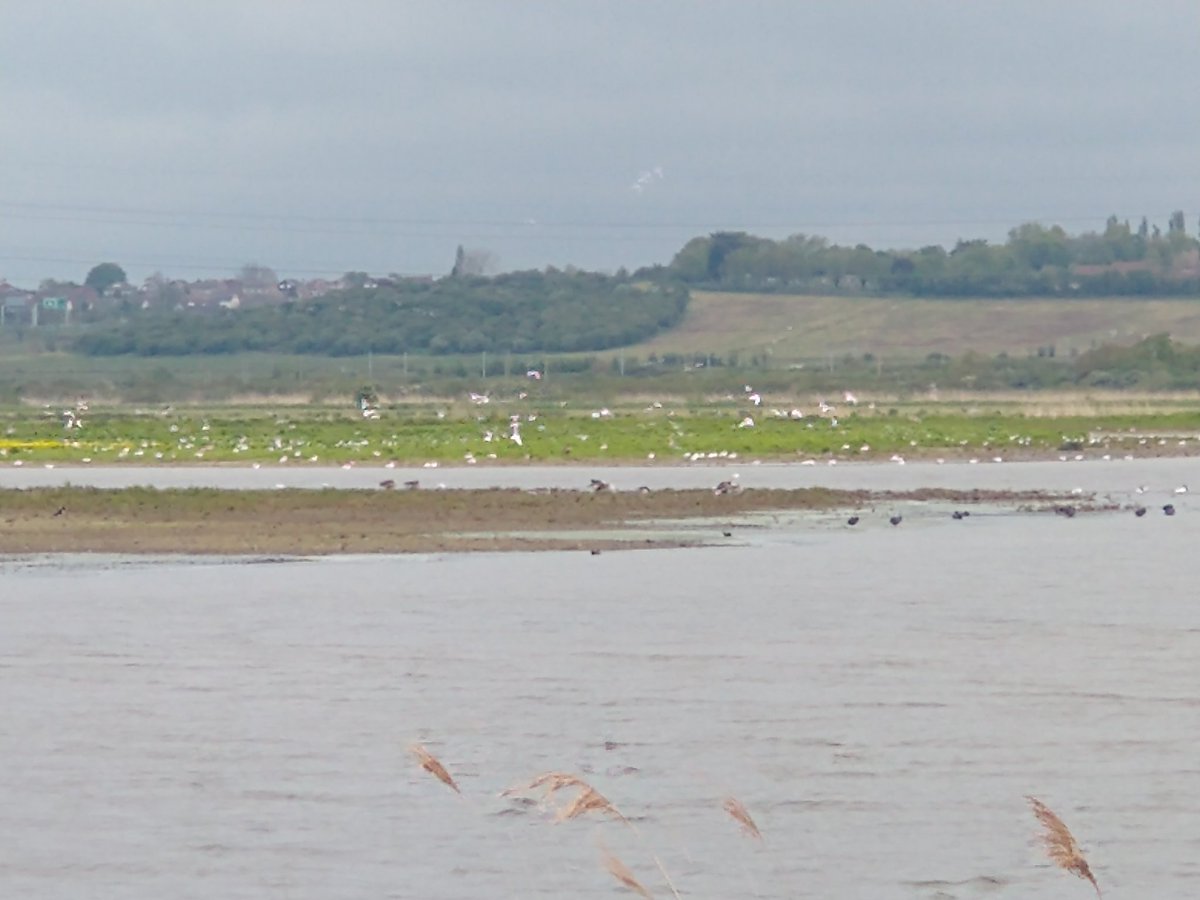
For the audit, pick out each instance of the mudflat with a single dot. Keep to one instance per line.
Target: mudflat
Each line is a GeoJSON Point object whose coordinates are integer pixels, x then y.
{"type": "Point", "coordinates": [312, 522]}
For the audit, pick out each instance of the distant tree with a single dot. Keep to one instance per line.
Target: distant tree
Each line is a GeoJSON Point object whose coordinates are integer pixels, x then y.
{"type": "Point", "coordinates": [721, 245]}
{"type": "Point", "coordinates": [104, 276]}
{"type": "Point", "coordinates": [474, 261]}
{"type": "Point", "coordinates": [355, 279]}
{"type": "Point", "coordinates": [255, 276]}
{"type": "Point", "coordinates": [161, 291]}
{"type": "Point", "coordinates": [1037, 246]}
{"type": "Point", "coordinates": [1175, 225]}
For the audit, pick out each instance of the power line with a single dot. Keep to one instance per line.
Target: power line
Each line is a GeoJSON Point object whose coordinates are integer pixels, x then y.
{"type": "Point", "coordinates": [208, 267]}
{"type": "Point", "coordinates": [192, 218]}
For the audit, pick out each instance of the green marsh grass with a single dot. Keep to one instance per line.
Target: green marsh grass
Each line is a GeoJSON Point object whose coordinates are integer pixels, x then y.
{"type": "Point", "coordinates": [458, 434]}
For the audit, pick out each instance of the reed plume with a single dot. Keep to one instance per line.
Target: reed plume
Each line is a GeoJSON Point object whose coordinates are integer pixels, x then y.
{"type": "Point", "coordinates": [430, 764]}
{"type": "Point", "coordinates": [741, 815]}
{"type": "Point", "coordinates": [621, 872]}
{"type": "Point", "coordinates": [550, 782]}
{"type": "Point", "coordinates": [588, 800]}
{"type": "Point", "coordinates": [1060, 844]}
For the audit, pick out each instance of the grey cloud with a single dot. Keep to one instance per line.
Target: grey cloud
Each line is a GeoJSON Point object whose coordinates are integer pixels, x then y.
{"type": "Point", "coordinates": [412, 126]}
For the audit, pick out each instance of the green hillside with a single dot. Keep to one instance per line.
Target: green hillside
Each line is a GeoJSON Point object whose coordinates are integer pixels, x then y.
{"type": "Point", "coordinates": [813, 327]}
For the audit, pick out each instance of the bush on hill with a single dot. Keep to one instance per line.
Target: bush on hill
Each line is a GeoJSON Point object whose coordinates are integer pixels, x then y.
{"type": "Point", "coordinates": [519, 312]}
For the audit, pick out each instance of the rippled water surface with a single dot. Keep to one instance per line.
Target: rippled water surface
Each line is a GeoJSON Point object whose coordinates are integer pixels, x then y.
{"type": "Point", "coordinates": [881, 699]}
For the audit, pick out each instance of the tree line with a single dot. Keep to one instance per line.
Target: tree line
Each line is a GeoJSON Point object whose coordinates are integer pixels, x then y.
{"type": "Point", "coordinates": [518, 312]}
{"type": "Point", "coordinates": [1035, 260]}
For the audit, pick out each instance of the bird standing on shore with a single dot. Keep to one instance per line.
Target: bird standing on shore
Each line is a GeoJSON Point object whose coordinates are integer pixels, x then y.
{"type": "Point", "coordinates": [729, 486]}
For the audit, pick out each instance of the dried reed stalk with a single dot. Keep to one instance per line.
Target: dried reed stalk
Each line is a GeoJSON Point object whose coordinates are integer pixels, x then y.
{"type": "Point", "coordinates": [431, 765]}
{"type": "Point", "coordinates": [549, 781]}
{"type": "Point", "coordinates": [1060, 845]}
{"type": "Point", "coordinates": [621, 872]}
{"type": "Point", "coordinates": [588, 800]}
{"type": "Point", "coordinates": [741, 815]}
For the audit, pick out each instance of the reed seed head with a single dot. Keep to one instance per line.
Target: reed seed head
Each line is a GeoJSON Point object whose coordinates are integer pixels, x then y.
{"type": "Point", "coordinates": [1060, 844]}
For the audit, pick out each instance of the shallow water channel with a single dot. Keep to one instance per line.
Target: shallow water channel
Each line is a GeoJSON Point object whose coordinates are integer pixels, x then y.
{"type": "Point", "coordinates": [880, 699]}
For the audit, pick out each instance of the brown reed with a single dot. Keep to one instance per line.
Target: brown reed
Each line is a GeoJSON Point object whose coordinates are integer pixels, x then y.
{"type": "Point", "coordinates": [588, 800]}
{"type": "Point", "coordinates": [550, 782]}
{"type": "Point", "coordinates": [621, 872]}
{"type": "Point", "coordinates": [430, 764]}
{"type": "Point", "coordinates": [1060, 844]}
{"type": "Point", "coordinates": [741, 815]}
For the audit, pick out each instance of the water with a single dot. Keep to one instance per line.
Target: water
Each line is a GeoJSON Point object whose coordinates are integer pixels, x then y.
{"type": "Point", "coordinates": [1121, 475]}
{"type": "Point", "coordinates": [881, 699]}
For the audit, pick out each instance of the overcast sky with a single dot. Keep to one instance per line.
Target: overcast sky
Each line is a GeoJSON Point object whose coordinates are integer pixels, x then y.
{"type": "Point", "coordinates": [318, 137]}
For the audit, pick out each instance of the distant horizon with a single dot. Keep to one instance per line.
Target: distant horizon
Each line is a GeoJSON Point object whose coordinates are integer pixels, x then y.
{"type": "Point", "coordinates": [195, 137]}
{"type": "Point", "coordinates": [137, 272]}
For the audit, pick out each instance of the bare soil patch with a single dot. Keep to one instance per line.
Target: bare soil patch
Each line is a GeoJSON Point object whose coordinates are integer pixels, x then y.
{"type": "Point", "coordinates": [302, 522]}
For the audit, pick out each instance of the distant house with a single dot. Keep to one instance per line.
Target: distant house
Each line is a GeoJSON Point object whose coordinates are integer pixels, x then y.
{"type": "Point", "coordinates": [211, 293]}
{"type": "Point", "coordinates": [316, 287]}
{"type": "Point", "coordinates": [79, 298]}
{"type": "Point", "coordinates": [1123, 267]}
{"type": "Point", "coordinates": [1186, 264]}
{"type": "Point", "coordinates": [16, 305]}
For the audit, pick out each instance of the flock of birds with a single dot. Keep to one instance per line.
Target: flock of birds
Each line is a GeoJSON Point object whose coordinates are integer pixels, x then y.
{"type": "Point", "coordinates": [73, 419]}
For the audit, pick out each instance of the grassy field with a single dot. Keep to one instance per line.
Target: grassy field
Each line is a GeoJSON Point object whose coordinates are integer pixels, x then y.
{"type": "Point", "coordinates": [808, 328]}
{"type": "Point", "coordinates": [786, 344]}
{"type": "Point", "coordinates": [729, 427]}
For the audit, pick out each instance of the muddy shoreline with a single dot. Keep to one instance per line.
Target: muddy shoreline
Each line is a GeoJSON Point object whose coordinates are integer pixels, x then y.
{"type": "Point", "coordinates": [316, 522]}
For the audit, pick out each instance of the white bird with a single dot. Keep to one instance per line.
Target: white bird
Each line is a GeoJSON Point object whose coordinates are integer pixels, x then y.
{"type": "Point", "coordinates": [1182, 489]}
{"type": "Point", "coordinates": [850, 398]}
{"type": "Point", "coordinates": [756, 399]}
{"type": "Point", "coordinates": [746, 423]}
{"type": "Point", "coordinates": [824, 407]}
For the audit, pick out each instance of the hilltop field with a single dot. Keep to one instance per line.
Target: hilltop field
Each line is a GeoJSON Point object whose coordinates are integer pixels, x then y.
{"type": "Point", "coordinates": [797, 348]}
{"type": "Point", "coordinates": [906, 328]}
